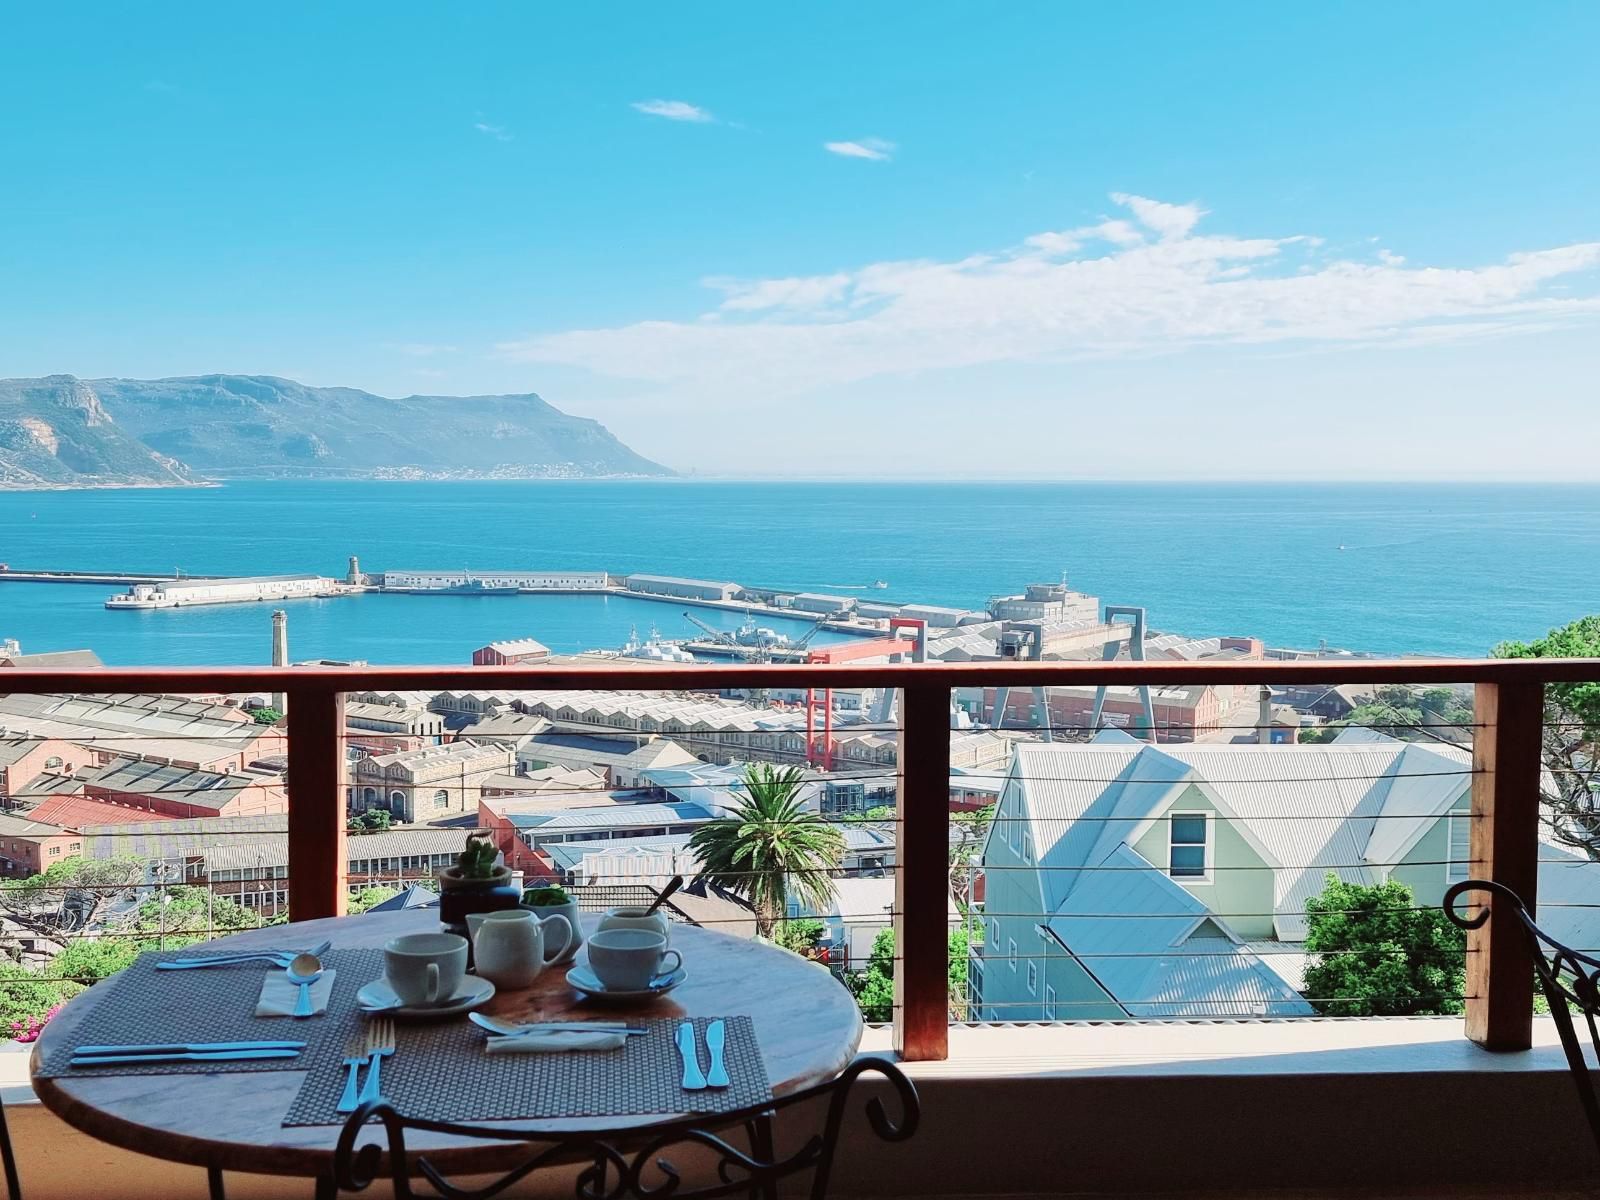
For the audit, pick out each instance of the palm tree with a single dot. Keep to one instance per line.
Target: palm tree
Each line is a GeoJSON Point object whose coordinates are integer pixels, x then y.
{"type": "Point", "coordinates": [771, 848]}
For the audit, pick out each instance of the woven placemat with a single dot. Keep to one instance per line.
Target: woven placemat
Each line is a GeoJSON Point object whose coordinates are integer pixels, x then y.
{"type": "Point", "coordinates": [141, 1005]}
{"type": "Point", "coordinates": [441, 1072]}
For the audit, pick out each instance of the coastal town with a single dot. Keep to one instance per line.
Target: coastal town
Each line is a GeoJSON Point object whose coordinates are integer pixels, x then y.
{"type": "Point", "coordinates": [1115, 852]}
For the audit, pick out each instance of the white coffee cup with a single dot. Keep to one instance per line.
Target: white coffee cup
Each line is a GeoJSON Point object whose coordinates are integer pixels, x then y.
{"type": "Point", "coordinates": [638, 918]}
{"type": "Point", "coordinates": [425, 969]}
{"type": "Point", "coordinates": [630, 960]}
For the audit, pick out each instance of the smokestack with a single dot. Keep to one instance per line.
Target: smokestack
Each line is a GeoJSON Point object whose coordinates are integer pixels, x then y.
{"type": "Point", "coordinates": [1264, 721]}
{"type": "Point", "coordinates": [353, 576]}
{"type": "Point", "coordinates": [280, 652]}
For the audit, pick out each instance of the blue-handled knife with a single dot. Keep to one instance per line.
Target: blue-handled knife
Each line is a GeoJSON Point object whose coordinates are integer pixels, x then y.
{"type": "Point", "coordinates": [693, 1080]}
{"type": "Point", "coordinates": [222, 1056]}
{"type": "Point", "coordinates": [183, 1048]}
{"type": "Point", "coordinates": [716, 1035]}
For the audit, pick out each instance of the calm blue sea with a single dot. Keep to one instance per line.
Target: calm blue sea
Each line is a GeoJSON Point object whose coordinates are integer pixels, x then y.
{"type": "Point", "coordinates": [1434, 568]}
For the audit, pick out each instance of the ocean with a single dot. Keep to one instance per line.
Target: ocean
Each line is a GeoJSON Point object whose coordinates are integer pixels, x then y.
{"type": "Point", "coordinates": [1432, 568]}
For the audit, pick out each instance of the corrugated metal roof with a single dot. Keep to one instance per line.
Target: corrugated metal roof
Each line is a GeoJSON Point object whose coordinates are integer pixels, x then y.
{"type": "Point", "coordinates": [1310, 809]}
{"type": "Point", "coordinates": [620, 816]}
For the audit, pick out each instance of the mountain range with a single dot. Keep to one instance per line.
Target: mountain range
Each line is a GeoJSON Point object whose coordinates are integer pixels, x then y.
{"type": "Point", "coordinates": [59, 431]}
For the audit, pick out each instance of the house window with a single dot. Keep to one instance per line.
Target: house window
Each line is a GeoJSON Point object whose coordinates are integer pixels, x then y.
{"type": "Point", "coordinates": [55, 850]}
{"type": "Point", "coordinates": [1011, 952]}
{"type": "Point", "coordinates": [1049, 1003]}
{"type": "Point", "coordinates": [1027, 846]}
{"type": "Point", "coordinates": [1033, 978]}
{"type": "Point", "coordinates": [994, 931]}
{"type": "Point", "coordinates": [1190, 846]}
{"type": "Point", "coordinates": [1460, 846]}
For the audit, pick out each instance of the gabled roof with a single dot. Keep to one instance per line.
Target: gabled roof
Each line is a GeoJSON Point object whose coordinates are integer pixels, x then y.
{"type": "Point", "coordinates": [1150, 945]}
{"type": "Point", "coordinates": [1352, 809]}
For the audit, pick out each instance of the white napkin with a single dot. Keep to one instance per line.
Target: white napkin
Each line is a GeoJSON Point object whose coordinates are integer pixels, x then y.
{"type": "Point", "coordinates": [553, 1042]}
{"type": "Point", "coordinates": [279, 994]}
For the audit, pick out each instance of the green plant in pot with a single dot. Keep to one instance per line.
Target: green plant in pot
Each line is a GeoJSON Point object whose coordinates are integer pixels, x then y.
{"type": "Point", "coordinates": [554, 900]}
{"type": "Point", "coordinates": [476, 883]}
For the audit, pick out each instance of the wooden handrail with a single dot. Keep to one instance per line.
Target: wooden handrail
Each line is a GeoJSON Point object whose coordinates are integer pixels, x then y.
{"type": "Point", "coordinates": [667, 678]}
{"type": "Point", "coordinates": [1505, 796]}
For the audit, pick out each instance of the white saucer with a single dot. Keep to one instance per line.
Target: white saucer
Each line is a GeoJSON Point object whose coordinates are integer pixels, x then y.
{"type": "Point", "coordinates": [587, 982]}
{"type": "Point", "coordinates": [379, 995]}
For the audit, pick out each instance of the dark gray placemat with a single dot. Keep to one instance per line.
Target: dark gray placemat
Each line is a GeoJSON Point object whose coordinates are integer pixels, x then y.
{"type": "Point", "coordinates": [212, 1004]}
{"type": "Point", "coordinates": [441, 1072]}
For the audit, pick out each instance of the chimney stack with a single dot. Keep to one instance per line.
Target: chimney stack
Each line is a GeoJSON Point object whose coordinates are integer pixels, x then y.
{"type": "Point", "coordinates": [280, 653]}
{"type": "Point", "coordinates": [1264, 721]}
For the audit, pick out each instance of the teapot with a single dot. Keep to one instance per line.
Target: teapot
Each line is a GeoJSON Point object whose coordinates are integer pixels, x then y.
{"type": "Point", "coordinates": [510, 948]}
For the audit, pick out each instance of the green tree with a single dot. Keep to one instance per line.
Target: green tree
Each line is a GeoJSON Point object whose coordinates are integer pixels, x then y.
{"type": "Point", "coordinates": [374, 820]}
{"type": "Point", "coordinates": [1379, 954]}
{"type": "Point", "coordinates": [90, 960]}
{"type": "Point", "coordinates": [1571, 748]}
{"type": "Point", "coordinates": [771, 849]}
{"type": "Point", "coordinates": [182, 915]}
{"type": "Point", "coordinates": [265, 715]}
{"type": "Point", "coordinates": [873, 987]}
{"type": "Point", "coordinates": [967, 833]}
{"type": "Point", "coordinates": [73, 895]}
{"type": "Point", "coordinates": [803, 936]}
{"type": "Point", "coordinates": [878, 812]}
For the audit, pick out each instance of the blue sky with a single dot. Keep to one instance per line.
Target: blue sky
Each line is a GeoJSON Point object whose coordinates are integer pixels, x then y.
{"type": "Point", "coordinates": [1203, 241]}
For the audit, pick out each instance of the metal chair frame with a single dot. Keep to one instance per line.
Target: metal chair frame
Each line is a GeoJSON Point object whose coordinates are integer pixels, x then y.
{"type": "Point", "coordinates": [633, 1163]}
{"type": "Point", "coordinates": [1570, 979]}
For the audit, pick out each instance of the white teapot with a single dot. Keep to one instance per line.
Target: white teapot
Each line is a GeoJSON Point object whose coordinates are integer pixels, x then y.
{"type": "Point", "coordinates": [510, 948]}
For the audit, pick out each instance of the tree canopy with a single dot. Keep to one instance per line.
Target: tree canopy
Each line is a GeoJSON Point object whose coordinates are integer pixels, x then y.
{"type": "Point", "coordinates": [1378, 953]}
{"type": "Point", "coordinates": [1571, 789]}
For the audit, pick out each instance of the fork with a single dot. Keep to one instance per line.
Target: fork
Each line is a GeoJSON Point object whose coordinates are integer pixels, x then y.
{"type": "Point", "coordinates": [355, 1055]}
{"type": "Point", "coordinates": [380, 1045]}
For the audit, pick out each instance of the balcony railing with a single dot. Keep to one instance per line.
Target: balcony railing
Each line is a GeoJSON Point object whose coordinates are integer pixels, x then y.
{"type": "Point", "coordinates": [1505, 786]}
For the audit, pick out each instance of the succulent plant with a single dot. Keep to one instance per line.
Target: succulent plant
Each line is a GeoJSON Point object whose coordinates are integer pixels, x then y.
{"type": "Point", "coordinates": [477, 860]}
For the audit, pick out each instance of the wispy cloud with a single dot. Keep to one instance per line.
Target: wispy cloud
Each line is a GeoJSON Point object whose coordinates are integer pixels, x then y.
{"type": "Point", "coordinates": [498, 132]}
{"type": "Point", "coordinates": [674, 110]}
{"type": "Point", "coordinates": [1140, 284]}
{"type": "Point", "coordinates": [421, 349]}
{"type": "Point", "coordinates": [876, 149]}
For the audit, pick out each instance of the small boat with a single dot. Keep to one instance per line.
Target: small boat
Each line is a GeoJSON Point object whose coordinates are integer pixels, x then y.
{"type": "Point", "coordinates": [880, 584]}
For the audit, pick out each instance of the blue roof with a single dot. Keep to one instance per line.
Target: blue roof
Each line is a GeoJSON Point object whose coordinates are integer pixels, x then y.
{"type": "Point", "coordinates": [1152, 946]}
{"type": "Point", "coordinates": [567, 855]}
{"type": "Point", "coordinates": [613, 816]}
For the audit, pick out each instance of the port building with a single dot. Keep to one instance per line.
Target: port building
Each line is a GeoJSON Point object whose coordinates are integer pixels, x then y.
{"type": "Point", "coordinates": [184, 593]}
{"type": "Point", "coordinates": [527, 581]}
{"type": "Point", "coordinates": [682, 589]}
{"type": "Point", "coordinates": [505, 654]}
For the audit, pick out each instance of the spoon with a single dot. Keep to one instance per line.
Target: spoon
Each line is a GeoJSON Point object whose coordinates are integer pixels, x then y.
{"type": "Point", "coordinates": [673, 885]}
{"type": "Point", "coordinates": [304, 970]}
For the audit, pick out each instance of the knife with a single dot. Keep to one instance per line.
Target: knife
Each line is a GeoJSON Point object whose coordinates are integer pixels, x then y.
{"type": "Point", "coordinates": [717, 1077]}
{"type": "Point", "coordinates": [223, 1056]}
{"type": "Point", "coordinates": [693, 1080]}
{"type": "Point", "coordinates": [183, 1048]}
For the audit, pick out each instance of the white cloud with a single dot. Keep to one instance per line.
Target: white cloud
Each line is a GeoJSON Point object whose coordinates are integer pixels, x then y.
{"type": "Point", "coordinates": [1113, 288]}
{"type": "Point", "coordinates": [421, 349]}
{"type": "Point", "coordinates": [1390, 259]}
{"type": "Point", "coordinates": [498, 132]}
{"type": "Point", "coordinates": [674, 110]}
{"type": "Point", "coordinates": [876, 149]}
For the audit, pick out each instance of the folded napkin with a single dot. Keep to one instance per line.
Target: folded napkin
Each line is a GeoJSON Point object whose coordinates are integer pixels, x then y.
{"type": "Point", "coordinates": [553, 1042]}
{"type": "Point", "coordinates": [279, 994]}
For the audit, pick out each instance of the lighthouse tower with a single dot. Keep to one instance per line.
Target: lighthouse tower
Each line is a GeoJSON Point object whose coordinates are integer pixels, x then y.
{"type": "Point", "coordinates": [280, 653]}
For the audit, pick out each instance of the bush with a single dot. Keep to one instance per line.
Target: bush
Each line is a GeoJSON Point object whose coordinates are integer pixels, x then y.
{"type": "Point", "coordinates": [1379, 954]}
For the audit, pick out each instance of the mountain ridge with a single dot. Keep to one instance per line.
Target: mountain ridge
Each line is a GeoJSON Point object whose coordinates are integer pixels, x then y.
{"type": "Point", "coordinates": [187, 429]}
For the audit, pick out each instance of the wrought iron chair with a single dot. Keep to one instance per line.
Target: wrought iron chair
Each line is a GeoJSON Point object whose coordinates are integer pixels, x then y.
{"type": "Point", "coordinates": [621, 1164]}
{"type": "Point", "coordinates": [1569, 978]}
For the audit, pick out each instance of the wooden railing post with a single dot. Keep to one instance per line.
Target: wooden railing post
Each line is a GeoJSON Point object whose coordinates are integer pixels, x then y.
{"type": "Point", "coordinates": [1505, 848]}
{"type": "Point", "coordinates": [318, 864]}
{"type": "Point", "coordinates": [922, 881]}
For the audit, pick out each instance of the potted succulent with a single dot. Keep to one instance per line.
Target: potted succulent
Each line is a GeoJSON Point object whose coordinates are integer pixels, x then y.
{"type": "Point", "coordinates": [554, 900]}
{"type": "Point", "coordinates": [476, 883]}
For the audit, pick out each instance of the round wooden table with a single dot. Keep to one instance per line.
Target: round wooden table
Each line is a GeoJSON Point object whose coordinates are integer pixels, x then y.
{"type": "Point", "coordinates": [806, 1023]}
